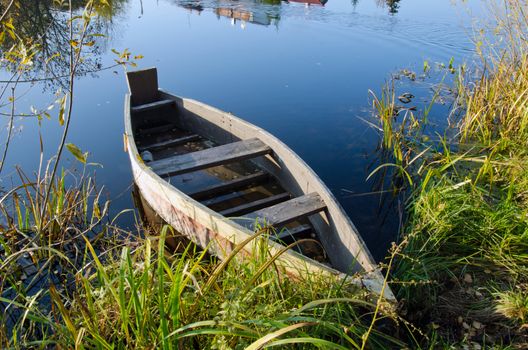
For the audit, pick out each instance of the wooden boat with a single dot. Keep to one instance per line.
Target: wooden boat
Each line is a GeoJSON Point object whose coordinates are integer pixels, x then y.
{"type": "Point", "coordinates": [216, 178]}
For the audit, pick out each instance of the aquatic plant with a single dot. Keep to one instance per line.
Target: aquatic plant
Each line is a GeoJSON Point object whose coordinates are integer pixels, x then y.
{"type": "Point", "coordinates": [463, 262]}
{"type": "Point", "coordinates": [34, 260]}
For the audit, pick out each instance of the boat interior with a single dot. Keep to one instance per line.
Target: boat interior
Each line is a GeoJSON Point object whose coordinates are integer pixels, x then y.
{"type": "Point", "coordinates": [225, 177]}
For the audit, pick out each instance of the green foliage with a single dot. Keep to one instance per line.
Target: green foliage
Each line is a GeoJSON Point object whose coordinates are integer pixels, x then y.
{"type": "Point", "coordinates": [146, 298]}
{"type": "Point", "coordinates": [114, 292]}
{"type": "Point", "coordinates": [77, 153]}
{"type": "Point", "coordinates": [462, 266]}
{"type": "Point", "coordinates": [38, 264]}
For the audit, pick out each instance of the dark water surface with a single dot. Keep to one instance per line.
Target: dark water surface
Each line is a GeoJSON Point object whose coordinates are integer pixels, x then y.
{"type": "Point", "coordinates": [300, 71]}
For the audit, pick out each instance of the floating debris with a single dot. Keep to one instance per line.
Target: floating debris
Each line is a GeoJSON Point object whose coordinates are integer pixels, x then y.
{"type": "Point", "coordinates": [406, 97]}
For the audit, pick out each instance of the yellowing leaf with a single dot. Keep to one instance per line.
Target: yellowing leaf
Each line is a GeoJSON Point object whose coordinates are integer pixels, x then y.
{"type": "Point", "coordinates": [9, 24]}
{"type": "Point", "coordinates": [77, 153]}
{"type": "Point", "coordinates": [96, 210]}
{"type": "Point", "coordinates": [62, 102]}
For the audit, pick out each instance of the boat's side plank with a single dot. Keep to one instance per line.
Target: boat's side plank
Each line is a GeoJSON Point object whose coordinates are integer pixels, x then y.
{"type": "Point", "coordinates": [171, 143]}
{"type": "Point", "coordinates": [285, 212]}
{"type": "Point", "coordinates": [210, 157]}
{"type": "Point", "coordinates": [153, 105]}
{"type": "Point", "coordinates": [255, 205]}
{"type": "Point", "coordinates": [230, 186]}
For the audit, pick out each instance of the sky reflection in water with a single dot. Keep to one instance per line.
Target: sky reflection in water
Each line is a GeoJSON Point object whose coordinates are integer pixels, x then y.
{"type": "Point", "coordinates": [300, 71]}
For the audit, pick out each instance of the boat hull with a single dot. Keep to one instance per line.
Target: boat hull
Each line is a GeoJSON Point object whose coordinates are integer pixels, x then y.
{"type": "Point", "coordinates": [221, 235]}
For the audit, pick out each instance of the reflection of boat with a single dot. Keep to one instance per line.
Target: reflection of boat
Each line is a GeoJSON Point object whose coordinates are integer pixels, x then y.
{"type": "Point", "coordinates": [175, 145]}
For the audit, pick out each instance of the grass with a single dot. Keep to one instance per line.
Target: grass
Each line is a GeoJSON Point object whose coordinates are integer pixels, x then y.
{"type": "Point", "coordinates": [31, 260]}
{"type": "Point", "coordinates": [462, 267]}
{"type": "Point", "coordinates": [81, 282]}
{"type": "Point", "coordinates": [147, 298]}
{"type": "Point", "coordinates": [71, 279]}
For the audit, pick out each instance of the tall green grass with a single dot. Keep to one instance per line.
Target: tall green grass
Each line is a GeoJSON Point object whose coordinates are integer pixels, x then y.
{"type": "Point", "coordinates": [31, 261]}
{"type": "Point", "coordinates": [81, 282]}
{"type": "Point", "coordinates": [462, 267]}
{"type": "Point", "coordinates": [148, 298]}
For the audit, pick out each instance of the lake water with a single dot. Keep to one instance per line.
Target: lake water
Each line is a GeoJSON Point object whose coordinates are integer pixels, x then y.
{"type": "Point", "coordinates": [301, 71]}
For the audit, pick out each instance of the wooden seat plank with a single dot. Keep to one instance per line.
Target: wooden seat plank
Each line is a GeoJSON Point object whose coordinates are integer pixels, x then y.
{"type": "Point", "coordinates": [171, 143]}
{"type": "Point", "coordinates": [210, 157]}
{"type": "Point", "coordinates": [150, 106]}
{"type": "Point", "coordinates": [157, 129]}
{"type": "Point", "coordinates": [230, 186]}
{"type": "Point", "coordinates": [255, 205]}
{"type": "Point", "coordinates": [285, 212]}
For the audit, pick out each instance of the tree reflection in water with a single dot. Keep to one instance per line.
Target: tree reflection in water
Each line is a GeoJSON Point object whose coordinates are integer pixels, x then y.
{"type": "Point", "coordinates": [42, 27]}
{"type": "Point", "coordinates": [392, 5]}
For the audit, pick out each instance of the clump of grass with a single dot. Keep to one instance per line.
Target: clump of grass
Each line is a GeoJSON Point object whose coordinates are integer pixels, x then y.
{"type": "Point", "coordinates": [513, 304]}
{"type": "Point", "coordinates": [400, 129]}
{"type": "Point", "coordinates": [80, 282]}
{"type": "Point", "coordinates": [147, 297]}
{"type": "Point", "coordinates": [38, 252]}
{"type": "Point", "coordinates": [464, 258]}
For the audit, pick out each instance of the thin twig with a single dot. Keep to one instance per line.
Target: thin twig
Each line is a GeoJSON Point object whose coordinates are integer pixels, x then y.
{"type": "Point", "coordinates": [74, 60]}
{"type": "Point", "coordinates": [10, 129]}
{"type": "Point", "coordinates": [36, 80]}
{"type": "Point", "coordinates": [7, 10]}
{"type": "Point", "coordinates": [379, 302]}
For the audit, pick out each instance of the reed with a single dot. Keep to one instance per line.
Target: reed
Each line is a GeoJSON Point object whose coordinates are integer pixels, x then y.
{"type": "Point", "coordinates": [148, 297]}
{"type": "Point", "coordinates": [33, 260]}
{"type": "Point", "coordinates": [81, 282]}
{"type": "Point", "coordinates": [463, 265]}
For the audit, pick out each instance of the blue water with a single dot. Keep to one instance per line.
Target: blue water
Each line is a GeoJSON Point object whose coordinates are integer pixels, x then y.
{"type": "Point", "coordinates": [300, 71]}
